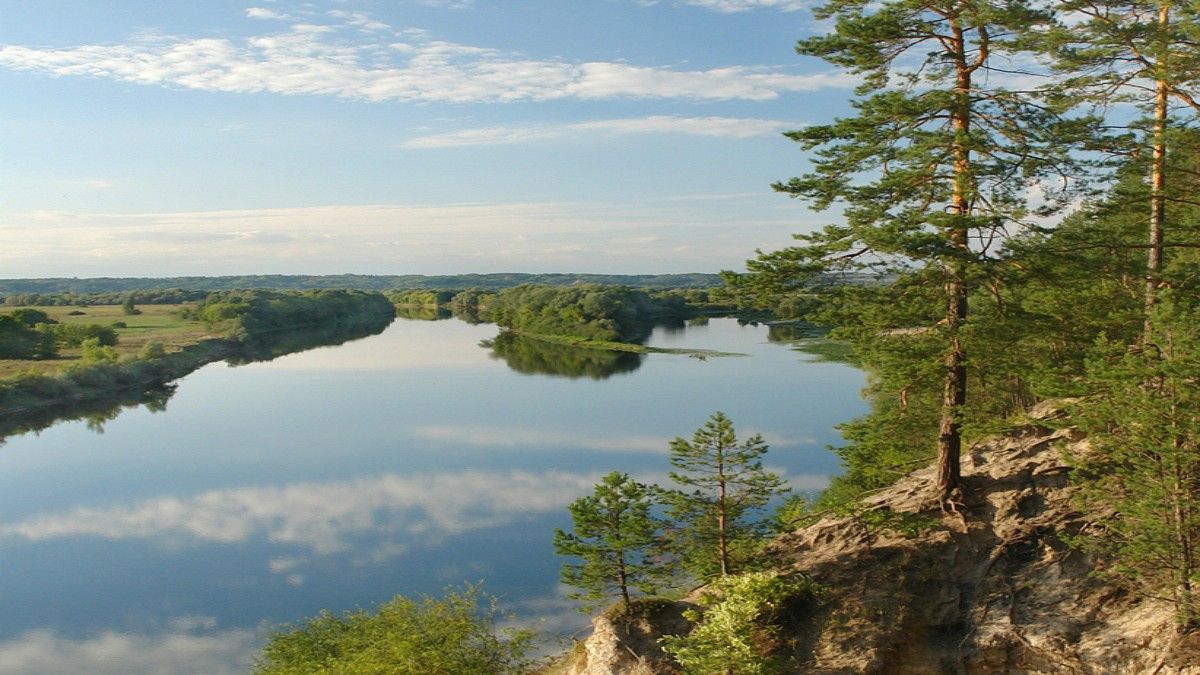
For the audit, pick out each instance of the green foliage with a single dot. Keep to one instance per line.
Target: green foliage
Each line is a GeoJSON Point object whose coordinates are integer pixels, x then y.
{"type": "Point", "coordinates": [614, 535]}
{"type": "Point", "coordinates": [718, 504]}
{"type": "Point", "coordinates": [608, 313]}
{"type": "Point", "coordinates": [75, 334]}
{"type": "Point", "coordinates": [96, 352]}
{"type": "Point", "coordinates": [128, 307]}
{"type": "Point", "coordinates": [47, 298]}
{"type": "Point", "coordinates": [533, 356]}
{"type": "Point", "coordinates": [735, 634]}
{"type": "Point", "coordinates": [18, 340]}
{"type": "Point", "coordinates": [251, 315]}
{"type": "Point", "coordinates": [1144, 424]}
{"type": "Point", "coordinates": [933, 171]}
{"type": "Point", "coordinates": [456, 634]}
{"type": "Point", "coordinates": [31, 317]}
{"type": "Point", "coordinates": [153, 349]}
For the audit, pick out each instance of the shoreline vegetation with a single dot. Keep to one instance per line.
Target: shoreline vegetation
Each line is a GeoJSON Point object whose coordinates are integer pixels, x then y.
{"type": "Point", "coordinates": [607, 345]}
{"type": "Point", "coordinates": [238, 327]}
{"type": "Point", "coordinates": [586, 316]}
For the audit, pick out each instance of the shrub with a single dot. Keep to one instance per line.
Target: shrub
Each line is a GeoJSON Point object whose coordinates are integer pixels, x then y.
{"type": "Point", "coordinates": [452, 635]}
{"type": "Point", "coordinates": [734, 633]}
{"type": "Point", "coordinates": [95, 352]}
{"type": "Point", "coordinates": [152, 350]}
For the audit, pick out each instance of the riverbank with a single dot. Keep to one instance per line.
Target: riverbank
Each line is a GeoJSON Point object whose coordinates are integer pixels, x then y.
{"type": "Point", "coordinates": [75, 389]}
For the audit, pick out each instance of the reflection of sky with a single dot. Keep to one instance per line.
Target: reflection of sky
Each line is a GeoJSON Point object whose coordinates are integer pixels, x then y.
{"type": "Point", "coordinates": [267, 492]}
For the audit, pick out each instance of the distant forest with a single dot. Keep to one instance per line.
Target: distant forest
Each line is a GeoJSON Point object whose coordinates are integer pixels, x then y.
{"type": "Point", "coordinates": [366, 282]}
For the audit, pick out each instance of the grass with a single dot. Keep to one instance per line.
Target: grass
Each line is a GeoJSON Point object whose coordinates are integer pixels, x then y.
{"type": "Point", "coordinates": [156, 322]}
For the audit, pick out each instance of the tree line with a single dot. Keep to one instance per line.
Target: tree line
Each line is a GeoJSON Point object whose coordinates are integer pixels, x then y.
{"type": "Point", "coordinates": [596, 312]}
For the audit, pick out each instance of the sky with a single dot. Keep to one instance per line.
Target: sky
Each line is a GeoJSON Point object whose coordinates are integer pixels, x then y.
{"type": "Point", "coordinates": [402, 137]}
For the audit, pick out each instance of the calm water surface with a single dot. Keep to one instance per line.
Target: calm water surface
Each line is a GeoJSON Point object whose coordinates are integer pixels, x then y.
{"type": "Point", "coordinates": [335, 478]}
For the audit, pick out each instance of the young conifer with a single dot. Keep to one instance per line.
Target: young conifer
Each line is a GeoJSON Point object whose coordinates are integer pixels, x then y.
{"type": "Point", "coordinates": [718, 507]}
{"type": "Point", "coordinates": [614, 533]}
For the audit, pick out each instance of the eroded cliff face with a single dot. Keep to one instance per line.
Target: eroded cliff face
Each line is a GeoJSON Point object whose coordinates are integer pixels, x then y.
{"type": "Point", "coordinates": [989, 587]}
{"type": "Point", "coordinates": [626, 641]}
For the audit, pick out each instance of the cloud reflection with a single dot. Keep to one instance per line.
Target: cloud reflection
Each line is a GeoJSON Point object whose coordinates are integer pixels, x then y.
{"type": "Point", "coordinates": [322, 517]}
{"type": "Point", "coordinates": [39, 652]}
{"type": "Point", "coordinates": [576, 439]}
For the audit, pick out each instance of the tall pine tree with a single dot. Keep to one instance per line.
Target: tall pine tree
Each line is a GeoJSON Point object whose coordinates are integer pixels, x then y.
{"type": "Point", "coordinates": [1142, 52]}
{"type": "Point", "coordinates": [934, 169]}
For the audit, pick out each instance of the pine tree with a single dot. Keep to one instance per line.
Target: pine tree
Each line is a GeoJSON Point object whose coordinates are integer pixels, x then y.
{"type": "Point", "coordinates": [1145, 467]}
{"type": "Point", "coordinates": [718, 511]}
{"type": "Point", "coordinates": [614, 534]}
{"type": "Point", "coordinates": [934, 168]}
{"type": "Point", "coordinates": [1140, 52]}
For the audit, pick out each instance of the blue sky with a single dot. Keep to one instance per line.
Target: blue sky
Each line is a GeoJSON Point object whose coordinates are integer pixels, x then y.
{"type": "Point", "coordinates": [410, 136]}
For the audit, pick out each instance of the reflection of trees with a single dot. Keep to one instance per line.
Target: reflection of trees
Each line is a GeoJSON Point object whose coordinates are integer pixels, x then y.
{"type": "Point", "coordinates": [422, 313]}
{"type": "Point", "coordinates": [537, 357]}
{"type": "Point", "coordinates": [95, 412]}
{"type": "Point", "coordinates": [793, 331]}
{"type": "Point", "coordinates": [267, 346]}
{"type": "Point", "coordinates": [811, 339]}
{"type": "Point", "coordinates": [150, 383]}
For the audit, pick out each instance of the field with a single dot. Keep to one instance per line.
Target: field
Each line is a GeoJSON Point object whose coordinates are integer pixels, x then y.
{"type": "Point", "coordinates": [156, 322]}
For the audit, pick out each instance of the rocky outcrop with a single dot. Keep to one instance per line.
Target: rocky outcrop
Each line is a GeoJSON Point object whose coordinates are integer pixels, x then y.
{"type": "Point", "coordinates": [626, 640]}
{"type": "Point", "coordinates": [989, 586]}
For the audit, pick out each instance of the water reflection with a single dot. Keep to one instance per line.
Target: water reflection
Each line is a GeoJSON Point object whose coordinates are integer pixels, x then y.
{"type": "Point", "coordinates": [422, 313]}
{"type": "Point", "coordinates": [375, 517]}
{"type": "Point", "coordinates": [190, 647]}
{"type": "Point", "coordinates": [794, 331]}
{"type": "Point", "coordinates": [113, 397]}
{"type": "Point", "coordinates": [810, 339]}
{"type": "Point", "coordinates": [336, 478]}
{"type": "Point", "coordinates": [274, 345]}
{"type": "Point", "coordinates": [538, 357]}
{"type": "Point", "coordinates": [94, 412]}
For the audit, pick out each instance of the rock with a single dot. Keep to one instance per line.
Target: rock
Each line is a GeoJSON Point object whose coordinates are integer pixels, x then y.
{"type": "Point", "coordinates": [990, 587]}
{"type": "Point", "coordinates": [625, 642]}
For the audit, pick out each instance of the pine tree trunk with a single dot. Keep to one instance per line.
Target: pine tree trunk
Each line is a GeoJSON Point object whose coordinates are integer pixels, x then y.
{"type": "Point", "coordinates": [1183, 485]}
{"type": "Point", "coordinates": [722, 539]}
{"type": "Point", "coordinates": [1158, 179]}
{"type": "Point", "coordinates": [954, 392]}
{"type": "Point", "coordinates": [622, 580]}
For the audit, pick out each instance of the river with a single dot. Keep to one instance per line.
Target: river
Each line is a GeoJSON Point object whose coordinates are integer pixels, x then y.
{"type": "Point", "coordinates": [167, 540]}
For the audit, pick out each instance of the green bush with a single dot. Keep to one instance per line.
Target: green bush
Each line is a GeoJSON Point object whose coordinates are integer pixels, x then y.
{"type": "Point", "coordinates": [734, 634]}
{"type": "Point", "coordinates": [152, 350]}
{"type": "Point", "coordinates": [74, 334]}
{"type": "Point", "coordinates": [452, 635]}
{"type": "Point", "coordinates": [95, 352]}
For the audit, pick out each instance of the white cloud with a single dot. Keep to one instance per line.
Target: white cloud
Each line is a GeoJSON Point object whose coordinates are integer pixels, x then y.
{"type": "Point", "coordinates": [726, 127]}
{"type": "Point", "coordinates": [732, 6]}
{"type": "Point", "coordinates": [311, 59]}
{"type": "Point", "coordinates": [263, 13]}
{"type": "Point", "coordinates": [359, 20]}
{"type": "Point", "coordinates": [388, 238]}
{"type": "Point", "coordinates": [520, 437]}
{"type": "Point", "coordinates": [526, 437]}
{"type": "Point", "coordinates": [44, 652]}
{"type": "Point", "coordinates": [322, 517]}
